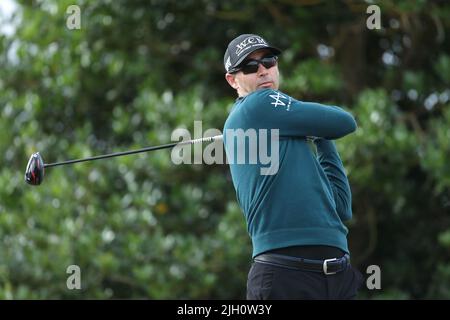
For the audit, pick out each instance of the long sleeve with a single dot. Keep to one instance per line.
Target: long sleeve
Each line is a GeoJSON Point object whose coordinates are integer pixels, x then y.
{"type": "Point", "coordinates": [331, 163]}
{"type": "Point", "coordinates": [308, 199]}
{"type": "Point", "coordinates": [272, 109]}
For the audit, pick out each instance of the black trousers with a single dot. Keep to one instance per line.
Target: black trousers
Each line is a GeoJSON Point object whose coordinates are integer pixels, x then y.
{"type": "Point", "coordinates": [276, 282]}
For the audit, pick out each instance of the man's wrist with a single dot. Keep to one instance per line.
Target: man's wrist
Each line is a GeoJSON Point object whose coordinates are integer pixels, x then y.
{"type": "Point", "coordinates": [325, 146]}
{"type": "Point", "coordinates": [312, 138]}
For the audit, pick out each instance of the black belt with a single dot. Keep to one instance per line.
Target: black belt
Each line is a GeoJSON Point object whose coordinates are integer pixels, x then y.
{"type": "Point", "coordinates": [327, 266]}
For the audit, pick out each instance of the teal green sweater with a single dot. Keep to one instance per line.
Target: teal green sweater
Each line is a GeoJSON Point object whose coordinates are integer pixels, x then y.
{"type": "Point", "coordinates": [307, 200]}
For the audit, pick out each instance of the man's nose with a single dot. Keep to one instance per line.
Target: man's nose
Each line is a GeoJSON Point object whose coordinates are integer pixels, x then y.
{"type": "Point", "coordinates": [261, 69]}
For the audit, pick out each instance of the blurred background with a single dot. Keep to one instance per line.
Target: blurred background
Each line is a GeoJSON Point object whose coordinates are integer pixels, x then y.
{"type": "Point", "coordinates": [142, 227]}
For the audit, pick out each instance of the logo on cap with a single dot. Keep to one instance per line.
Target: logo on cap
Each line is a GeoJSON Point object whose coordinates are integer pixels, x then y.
{"type": "Point", "coordinates": [248, 43]}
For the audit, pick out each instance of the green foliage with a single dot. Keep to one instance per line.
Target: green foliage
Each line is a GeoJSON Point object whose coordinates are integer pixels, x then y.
{"type": "Point", "coordinates": [143, 227]}
{"type": "Point", "coordinates": [313, 76]}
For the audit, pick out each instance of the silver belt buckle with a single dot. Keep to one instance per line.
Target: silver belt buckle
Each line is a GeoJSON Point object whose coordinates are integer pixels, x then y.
{"type": "Point", "coordinates": [325, 267]}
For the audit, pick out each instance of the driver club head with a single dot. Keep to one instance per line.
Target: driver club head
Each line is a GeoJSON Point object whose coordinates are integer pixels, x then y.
{"type": "Point", "coordinates": [34, 174]}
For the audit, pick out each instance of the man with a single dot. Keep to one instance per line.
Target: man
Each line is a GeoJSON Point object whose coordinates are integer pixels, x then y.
{"type": "Point", "coordinates": [295, 214]}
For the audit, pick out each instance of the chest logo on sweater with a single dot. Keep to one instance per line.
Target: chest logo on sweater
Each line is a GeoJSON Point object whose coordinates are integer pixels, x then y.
{"type": "Point", "coordinates": [281, 100]}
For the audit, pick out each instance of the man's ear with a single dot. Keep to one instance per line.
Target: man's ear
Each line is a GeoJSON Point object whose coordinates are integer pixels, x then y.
{"type": "Point", "coordinates": [231, 79]}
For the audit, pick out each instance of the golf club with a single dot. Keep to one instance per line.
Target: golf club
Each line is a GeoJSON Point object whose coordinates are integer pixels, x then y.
{"type": "Point", "coordinates": [34, 173]}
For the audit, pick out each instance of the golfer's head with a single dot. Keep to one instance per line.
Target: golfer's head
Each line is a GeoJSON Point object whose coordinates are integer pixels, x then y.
{"type": "Point", "coordinates": [251, 64]}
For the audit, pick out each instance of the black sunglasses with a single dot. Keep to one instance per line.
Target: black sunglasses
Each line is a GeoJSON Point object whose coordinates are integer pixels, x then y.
{"type": "Point", "coordinates": [251, 65]}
